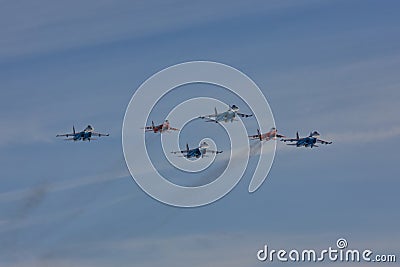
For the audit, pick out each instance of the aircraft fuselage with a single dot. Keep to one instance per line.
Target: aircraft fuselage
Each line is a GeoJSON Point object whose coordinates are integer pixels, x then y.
{"type": "Point", "coordinates": [84, 136]}
{"type": "Point", "coordinates": [226, 116]}
{"type": "Point", "coordinates": [195, 153]}
{"type": "Point", "coordinates": [307, 142]}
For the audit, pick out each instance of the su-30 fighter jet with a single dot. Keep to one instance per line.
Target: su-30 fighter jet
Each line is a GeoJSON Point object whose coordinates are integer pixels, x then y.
{"type": "Point", "coordinates": [309, 141]}
{"type": "Point", "coordinates": [226, 116]}
{"type": "Point", "coordinates": [198, 152]}
{"type": "Point", "coordinates": [85, 135]}
{"type": "Point", "coordinates": [272, 134]}
{"type": "Point", "coordinates": [165, 127]}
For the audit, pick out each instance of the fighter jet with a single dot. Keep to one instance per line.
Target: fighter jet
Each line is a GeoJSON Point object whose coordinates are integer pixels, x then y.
{"type": "Point", "coordinates": [226, 116]}
{"type": "Point", "coordinates": [309, 141]}
{"type": "Point", "coordinates": [198, 152]}
{"type": "Point", "coordinates": [272, 134]}
{"type": "Point", "coordinates": [85, 135]}
{"type": "Point", "coordinates": [165, 127]}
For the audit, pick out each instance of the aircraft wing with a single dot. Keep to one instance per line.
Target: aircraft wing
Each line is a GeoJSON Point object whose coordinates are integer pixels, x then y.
{"type": "Point", "coordinates": [182, 151]}
{"type": "Point", "coordinates": [153, 127]}
{"type": "Point", "coordinates": [323, 142]}
{"type": "Point", "coordinates": [148, 128]}
{"type": "Point", "coordinates": [244, 115]}
{"type": "Point", "coordinates": [213, 151]}
{"type": "Point", "coordinates": [207, 117]}
{"type": "Point", "coordinates": [254, 137]}
{"type": "Point", "coordinates": [99, 134]}
{"type": "Point", "coordinates": [280, 136]}
{"type": "Point", "coordinates": [211, 120]}
{"type": "Point", "coordinates": [173, 129]}
{"type": "Point", "coordinates": [66, 135]}
{"type": "Point", "coordinates": [289, 140]}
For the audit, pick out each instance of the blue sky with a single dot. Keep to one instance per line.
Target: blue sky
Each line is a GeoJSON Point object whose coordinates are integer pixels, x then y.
{"type": "Point", "coordinates": [330, 66]}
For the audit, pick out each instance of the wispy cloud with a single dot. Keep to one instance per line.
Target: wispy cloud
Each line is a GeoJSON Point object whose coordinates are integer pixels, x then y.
{"type": "Point", "coordinates": [22, 131]}
{"type": "Point", "coordinates": [73, 183]}
{"type": "Point", "coordinates": [58, 217]}
{"type": "Point", "coordinates": [373, 135]}
{"type": "Point", "coordinates": [202, 249]}
{"type": "Point", "coordinates": [32, 28]}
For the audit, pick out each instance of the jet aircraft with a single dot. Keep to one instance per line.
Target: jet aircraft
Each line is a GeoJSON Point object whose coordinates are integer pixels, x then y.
{"type": "Point", "coordinates": [198, 152]}
{"type": "Point", "coordinates": [309, 141]}
{"type": "Point", "coordinates": [272, 134]}
{"type": "Point", "coordinates": [85, 135]}
{"type": "Point", "coordinates": [165, 127]}
{"type": "Point", "coordinates": [226, 116]}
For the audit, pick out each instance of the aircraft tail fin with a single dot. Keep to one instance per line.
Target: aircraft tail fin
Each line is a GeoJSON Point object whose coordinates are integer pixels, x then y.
{"type": "Point", "coordinates": [259, 134]}
{"type": "Point", "coordinates": [152, 124]}
{"type": "Point", "coordinates": [187, 147]}
{"type": "Point", "coordinates": [297, 135]}
{"type": "Point", "coordinates": [216, 112]}
{"type": "Point", "coordinates": [73, 129]}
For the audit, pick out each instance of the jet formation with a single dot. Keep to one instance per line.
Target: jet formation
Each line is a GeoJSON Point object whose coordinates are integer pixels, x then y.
{"type": "Point", "coordinates": [230, 116]}
{"type": "Point", "coordinates": [224, 117]}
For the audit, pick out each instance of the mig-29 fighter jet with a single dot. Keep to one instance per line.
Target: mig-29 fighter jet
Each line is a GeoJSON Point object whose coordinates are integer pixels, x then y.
{"type": "Point", "coordinates": [165, 127]}
{"type": "Point", "coordinates": [272, 134]}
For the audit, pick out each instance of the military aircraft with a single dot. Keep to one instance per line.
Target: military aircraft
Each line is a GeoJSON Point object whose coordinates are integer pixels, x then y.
{"type": "Point", "coordinates": [198, 152]}
{"type": "Point", "coordinates": [309, 141]}
{"type": "Point", "coordinates": [272, 134]}
{"type": "Point", "coordinates": [226, 116]}
{"type": "Point", "coordinates": [85, 135]}
{"type": "Point", "coordinates": [165, 127]}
